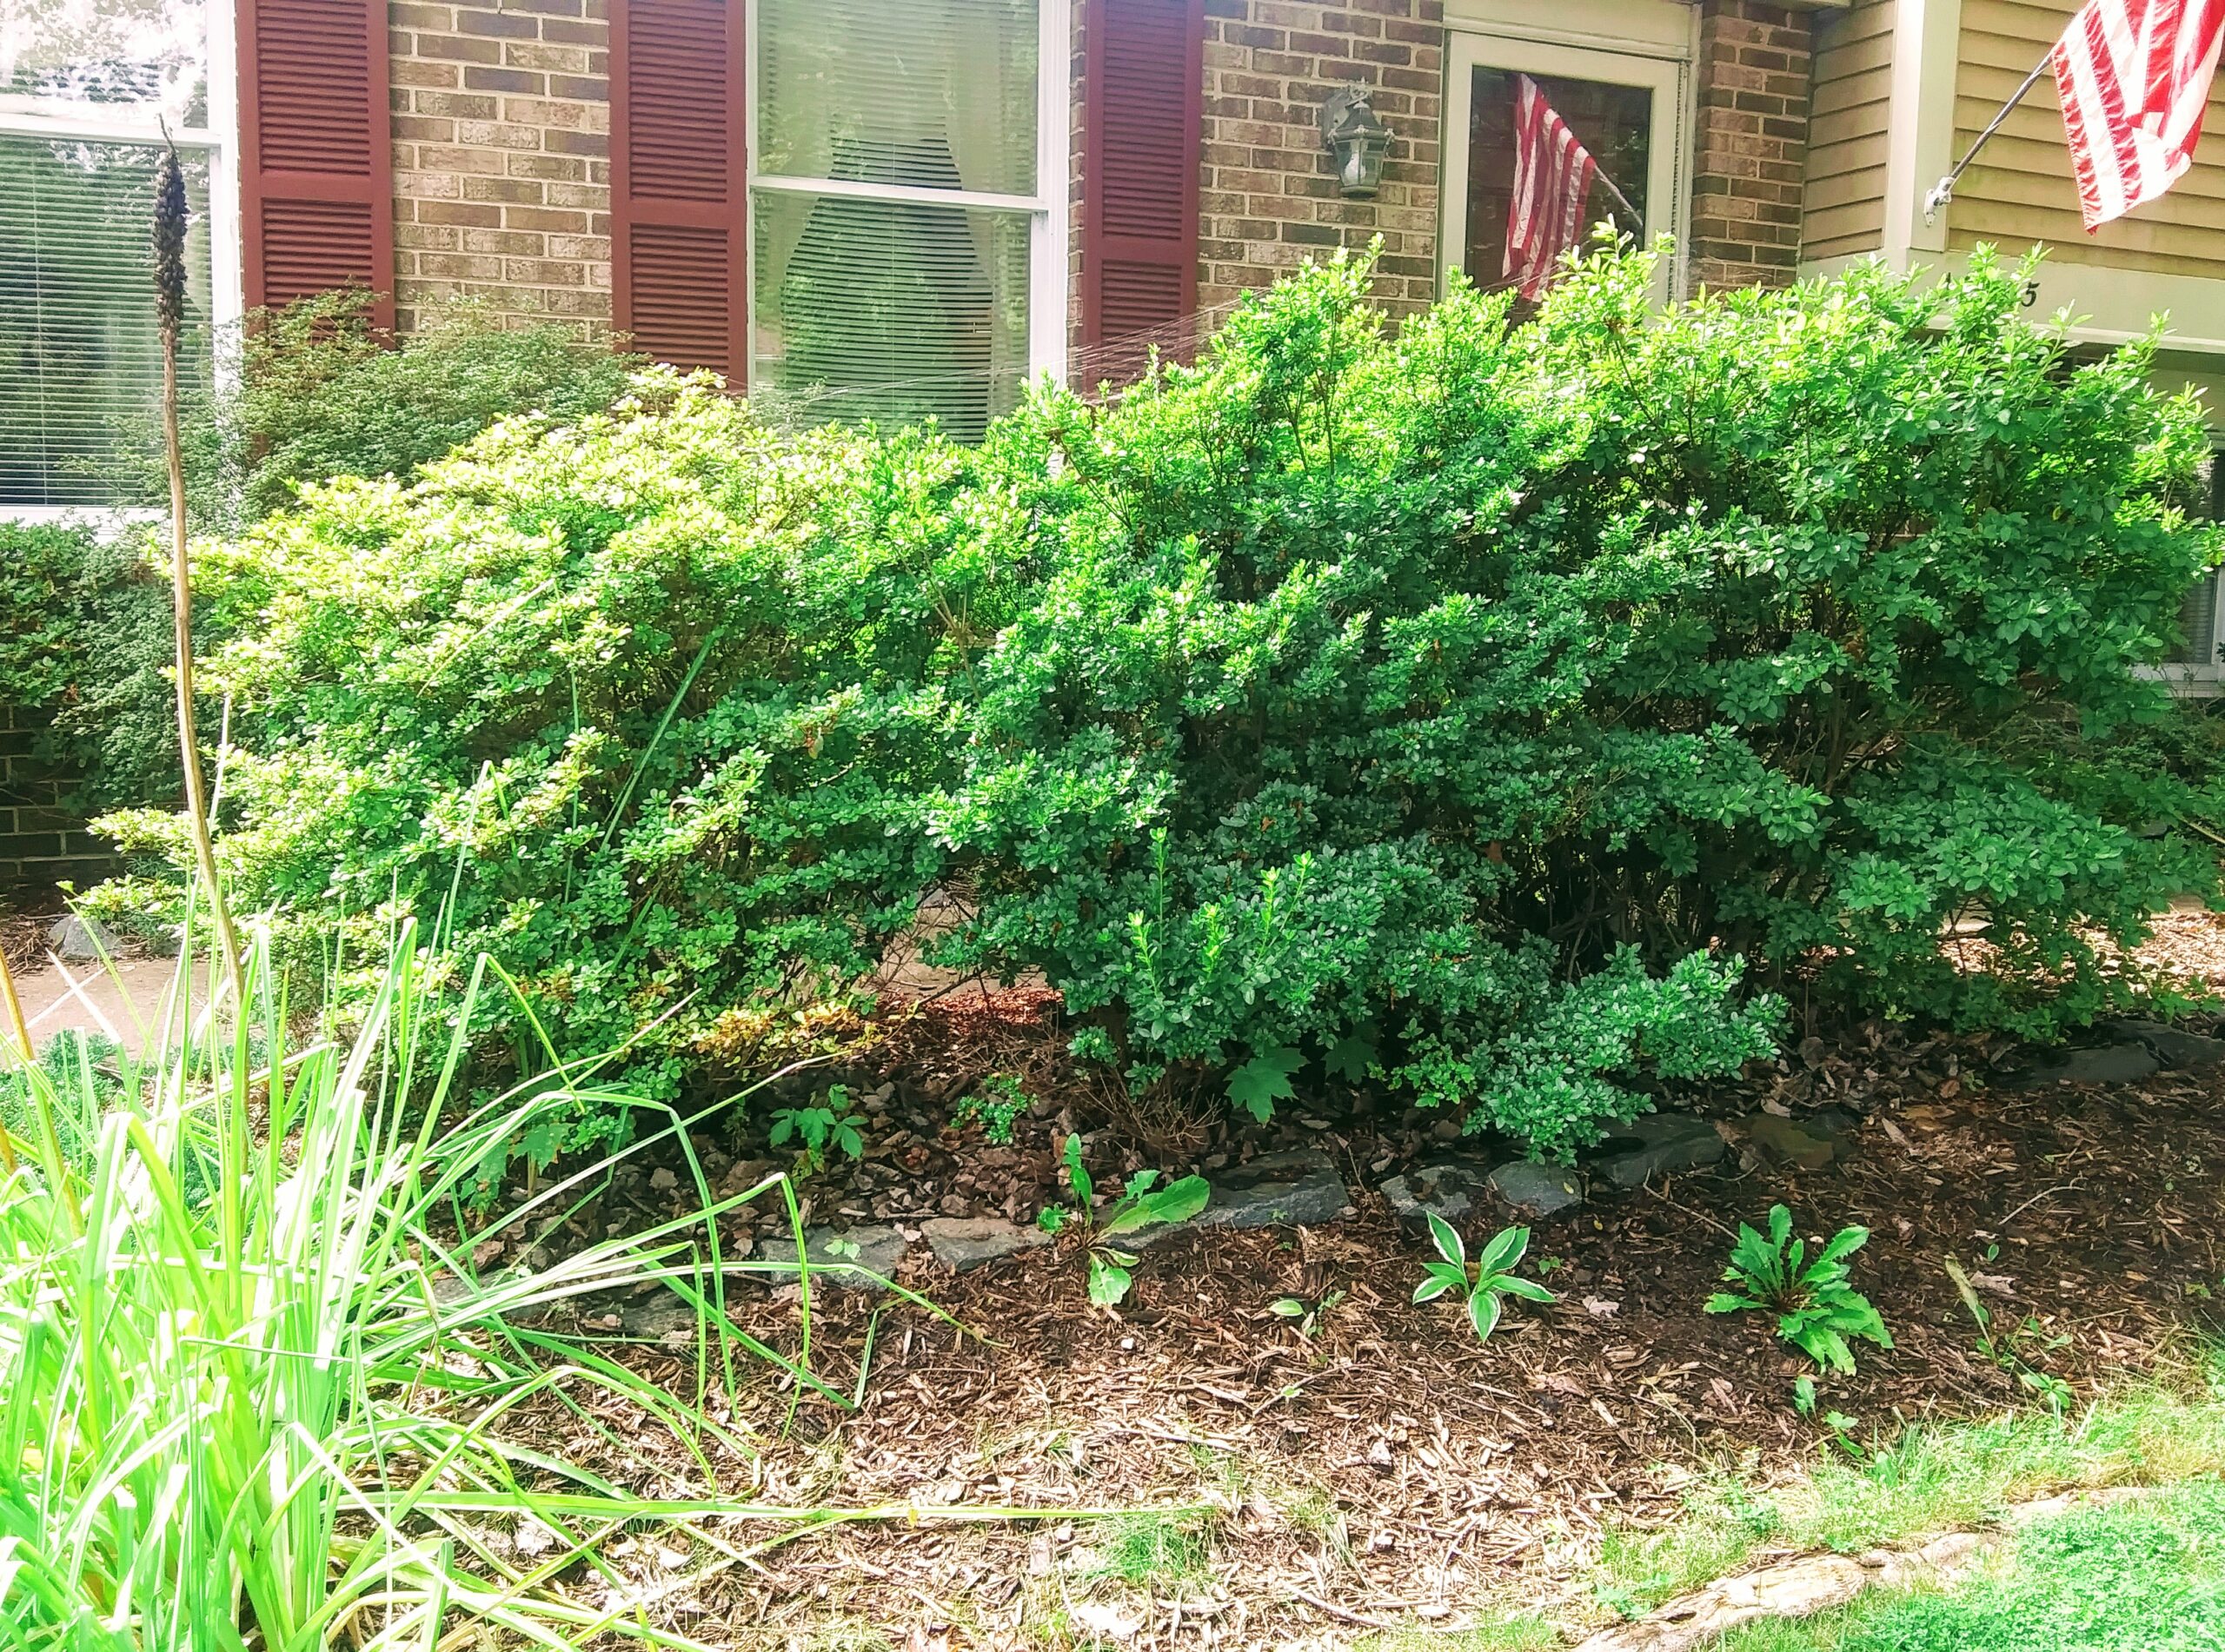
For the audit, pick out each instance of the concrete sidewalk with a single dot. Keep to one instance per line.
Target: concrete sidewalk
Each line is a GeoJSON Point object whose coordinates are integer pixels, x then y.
{"type": "Point", "coordinates": [123, 1000]}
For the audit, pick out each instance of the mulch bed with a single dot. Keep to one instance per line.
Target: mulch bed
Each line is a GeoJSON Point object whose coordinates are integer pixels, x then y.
{"type": "Point", "coordinates": [1389, 1470]}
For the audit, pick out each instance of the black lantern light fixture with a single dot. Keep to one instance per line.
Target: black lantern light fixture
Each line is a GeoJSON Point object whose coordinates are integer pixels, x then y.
{"type": "Point", "coordinates": [1355, 134]}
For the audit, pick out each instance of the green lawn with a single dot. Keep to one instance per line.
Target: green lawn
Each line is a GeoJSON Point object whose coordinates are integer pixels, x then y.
{"type": "Point", "coordinates": [2138, 1576]}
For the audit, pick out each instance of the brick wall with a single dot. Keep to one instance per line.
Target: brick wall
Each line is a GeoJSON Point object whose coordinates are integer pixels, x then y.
{"type": "Point", "coordinates": [1749, 147]}
{"type": "Point", "coordinates": [1268, 195]}
{"type": "Point", "coordinates": [502, 170]}
{"type": "Point", "coordinates": [41, 843]}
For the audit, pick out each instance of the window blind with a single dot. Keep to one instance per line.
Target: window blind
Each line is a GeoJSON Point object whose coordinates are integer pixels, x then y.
{"type": "Point", "coordinates": [890, 308]}
{"type": "Point", "coordinates": [80, 366]}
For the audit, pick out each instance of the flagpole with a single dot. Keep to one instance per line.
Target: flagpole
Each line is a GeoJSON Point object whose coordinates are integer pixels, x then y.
{"type": "Point", "coordinates": [1943, 191]}
{"type": "Point", "coordinates": [1637, 218]}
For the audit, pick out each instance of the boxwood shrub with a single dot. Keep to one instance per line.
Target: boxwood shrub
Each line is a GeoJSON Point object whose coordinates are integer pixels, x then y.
{"type": "Point", "coordinates": [1516, 713]}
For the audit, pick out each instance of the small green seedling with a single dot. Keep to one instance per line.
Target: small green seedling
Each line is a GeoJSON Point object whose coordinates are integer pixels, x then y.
{"type": "Point", "coordinates": [1309, 1315]}
{"type": "Point", "coordinates": [1817, 1309]}
{"type": "Point", "coordinates": [1484, 1281]}
{"type": "Point", "coordinates": [1142, 1203]}
{"type": "Point", "coordinates": [820, 1129]}
{"type": "Point", "coordinates": [994, 1107]}
{"type": "Point", "coordinates": [2007, 1351]}
{"type": "Point", "coordinates": [1803, 1395]}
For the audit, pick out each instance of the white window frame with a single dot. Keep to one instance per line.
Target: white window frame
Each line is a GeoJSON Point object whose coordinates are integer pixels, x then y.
{"type": "Point", "coordinates": [1047, 209]}
{"type": "Point", "coordinates": [218, 142]}
{"type": "Point", "coordinates": [1662, 67]}
{"type": "Point", "coordinates": [2203, 679]}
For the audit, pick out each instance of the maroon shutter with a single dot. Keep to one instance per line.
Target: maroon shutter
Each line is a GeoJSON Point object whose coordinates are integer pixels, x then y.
{"type": "Point", "coordinates": [316, 164]}
{"type": "Point", "coordinates": [1142, 94]}
{"type": "Point", "coordinates": [679, 171]}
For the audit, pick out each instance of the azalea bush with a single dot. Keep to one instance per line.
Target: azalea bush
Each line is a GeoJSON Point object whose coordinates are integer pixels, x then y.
{"type": "Point", "coordinates": [1514, 716]}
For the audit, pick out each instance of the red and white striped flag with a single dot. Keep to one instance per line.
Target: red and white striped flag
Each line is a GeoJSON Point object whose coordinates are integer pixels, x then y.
{"type": "Point", "coordinates": [2134, 79]}
{"type": "Point", "coordinates": [1552, 180]}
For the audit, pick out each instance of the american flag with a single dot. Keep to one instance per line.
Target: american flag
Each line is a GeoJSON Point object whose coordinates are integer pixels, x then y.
{"type": "Point", "coordinates": [1552, 180]}
{"type": "Point", "coordinates": [2134, 79]}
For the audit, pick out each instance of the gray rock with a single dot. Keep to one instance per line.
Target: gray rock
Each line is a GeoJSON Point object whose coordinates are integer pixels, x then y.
{"type": "Point", "coordinates": [2171, 1046]}
{"type": "Point", "coordinates": [1657, 1144]}
{"type": "Point", "coordinates": [1451, 1189]}
{"type": "Point", "coordinates": [2113, 1064]}
{"type": "Point", "coordinates": [1535, 1189]}
{"type": "Point", "coordinates": [78, 939]}
{"type": "Point", "coordinates": [1299, 1190]}
{"type": "Point", "coordinates": [1804, 1143]}
{"type": "Point", "coordinates": [879, 1250]}
{"type": "Point", "coordinates": [962, 1245]}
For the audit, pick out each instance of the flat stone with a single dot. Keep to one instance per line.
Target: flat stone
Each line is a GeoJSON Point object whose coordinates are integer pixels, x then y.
{"type": "Point", "coordinates": [879, 1250]}
{"type": "Point", "coordinates": [2111, 1064]}
{"type": "Point", "coordinates": [78, 939]}
{"type": "Point", "coordinates": [1534, 1189]}
{"type": "Point", "coordinates": [1657, 1144]}
{"type": "Point", "coordinates": [965, 1244]}
{"type": "Point", "coordinates": [1299, 1189]}
{"type": "Point", "coordinates": [1804, 1143]}
{"type": "Point", "coordinates": [2171, 1046]}
{"type": "Point", "coordinates": [1451, 1189]}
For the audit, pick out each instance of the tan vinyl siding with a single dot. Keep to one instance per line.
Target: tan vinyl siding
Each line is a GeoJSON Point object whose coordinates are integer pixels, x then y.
{"type": "Point", "coordinates": [2020, 189]}
{"type": "Point", "coordinates": [1846, 133]}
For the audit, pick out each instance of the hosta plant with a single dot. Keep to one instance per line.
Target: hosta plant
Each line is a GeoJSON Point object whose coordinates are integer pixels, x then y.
{"type": "Point", "coordinates": [1481, 1283]}
{"type": "Point", "coordinates": [1817, 1310]}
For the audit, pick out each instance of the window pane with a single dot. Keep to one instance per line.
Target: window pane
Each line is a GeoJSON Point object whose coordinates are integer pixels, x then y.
{"type": "Point", "coordinates": [150, 52]}
{"type": "Point", "coordinates": [80, 372]}
{"type": "Point", "coordinates": [889, 311]}
{"type": "Point", "coordinates": [937, 94]}
{"type": "Point", "coordinates": [1614, 122]}
{"type": "Point", "coordinates": [2198, 614]}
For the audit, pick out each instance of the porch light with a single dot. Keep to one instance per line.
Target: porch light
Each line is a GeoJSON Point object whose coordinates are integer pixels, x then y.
{"type": "Point", "coordinates": [1355, 134]}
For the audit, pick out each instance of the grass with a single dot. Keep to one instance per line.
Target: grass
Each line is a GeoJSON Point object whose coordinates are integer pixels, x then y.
{"type": "Point", "coordinates": [1156, 1552]}
{"type": "Point", "coordinates": [1933, 1478]}
{"type": "Point", "coordinates": [255, 1394]}
{"type": "Point", "coordinates": [2146, 1575]}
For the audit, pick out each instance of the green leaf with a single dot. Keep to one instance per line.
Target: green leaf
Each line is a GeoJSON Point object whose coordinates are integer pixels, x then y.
{"type": "Point", "coordinates": [1108, 1282]}
{"type": "Point", "coordinates": [1435, 1286]}
{"type": "Point", "coordinates": [1483, 1314]}
{"type": "Point", "coordinates": [1351, 1056]}
{"type": "Point", "coordinates": [1077, 1177]}
{"type": "Point", "coordinates": [1724, 1302]}
{"type": "Point", "coordinates": [1264, 1080]}
{"type": "Point", "coordinates": [1050, 1218]}
{"type": "Point", "coordinates": [1179, 1201]}
{"type": "Point", "coordinates": [1447, 1237]}
{"type": "Point", "coordinates": [1527, 1289]}
{"type": "Point", "coordinates": [1803, 1395]}
{"type": "Point", "coordinates": [1504, 1249]}
{"type": "Point", "coordinates": [1287, 1308]}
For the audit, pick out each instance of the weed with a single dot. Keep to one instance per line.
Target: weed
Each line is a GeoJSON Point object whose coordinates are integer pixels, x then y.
{"type": "Point", "coordinates": [1817, 1309]}
{"type": "Point", "coordinates": [820, 1128]}
{"type": "Point", "coordinates": [994, 1107]}
{"type": "Point", "coordinates": [1155, 1550]}
{"type": "Point", "coordinates": [1483, 1282]}
{"type": "Point", "coordinates": [2008, 1350]}
{"type": "Point", "coordinates": [1138, 1206]}
{"type": "Point", "coordinates": [1309, 1315]}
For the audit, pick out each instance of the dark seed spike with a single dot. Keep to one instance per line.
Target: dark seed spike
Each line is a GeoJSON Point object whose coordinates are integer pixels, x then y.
{"type": "Point", "coordinates": [170, 244]}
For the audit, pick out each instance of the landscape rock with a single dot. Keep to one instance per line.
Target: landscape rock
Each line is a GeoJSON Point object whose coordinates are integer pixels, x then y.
{"type": "Point", "coordinates": [1451, 1189]}
{"type": "Point", "coordinates": [879, 1250]}
{"type": "Point", "coordinates": [1535, 1189]}
{"type": "Point", "coordinates": [965, 1244]}
{"type": "Point", "coordinates": [76, 939]}
{"type": "Point", "coordinates": [1299, 1189]}
{"type": "Point", "coordinates": [1657, 1144]}
{"type": "Point", "coordinates": [2111, 1064]}
{"type": "Point", "coordinates": [1804, 1143]}
{"type": "Point", "coordinates": [2171, 1046]}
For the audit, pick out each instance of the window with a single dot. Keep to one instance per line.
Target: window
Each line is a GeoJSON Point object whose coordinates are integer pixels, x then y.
{"type": "Point", "coordinates": [1626, 108]}
{"type": "Point", "coordinates": [86, 88]}
{"type": "Point", "coordinates": [907, 239]}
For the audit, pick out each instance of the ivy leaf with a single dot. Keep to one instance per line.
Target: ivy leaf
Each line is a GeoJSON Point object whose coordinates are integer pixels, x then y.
{"type": "Point", "coordinates": [1264, 1080]}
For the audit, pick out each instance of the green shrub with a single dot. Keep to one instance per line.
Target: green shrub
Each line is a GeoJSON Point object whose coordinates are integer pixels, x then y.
{"type": "Point", "coordinates": [654, 696]}
{"type": "Point", "coordinates": [1512, 711]}
{"type": "Point", "coordinates": [85, 635]}
{"type": "Point", "coordinates": [1481, 702]}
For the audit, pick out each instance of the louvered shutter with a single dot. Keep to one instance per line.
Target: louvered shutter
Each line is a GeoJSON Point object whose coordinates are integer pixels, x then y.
{"type": "Point", "coordinates": [1142, 110]}
{"type": "Point", "coordinates": [317, 165]}
{"type": "Point", "coordinates": [679, 172]}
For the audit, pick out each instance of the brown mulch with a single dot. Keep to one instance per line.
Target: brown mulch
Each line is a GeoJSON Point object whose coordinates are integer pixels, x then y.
{"type": "Point", "coordinates": [1389, 1470]}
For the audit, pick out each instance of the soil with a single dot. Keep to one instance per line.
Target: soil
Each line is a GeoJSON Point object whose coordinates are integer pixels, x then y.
{"type": "Point", "coordinates": [1385, 1469]}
